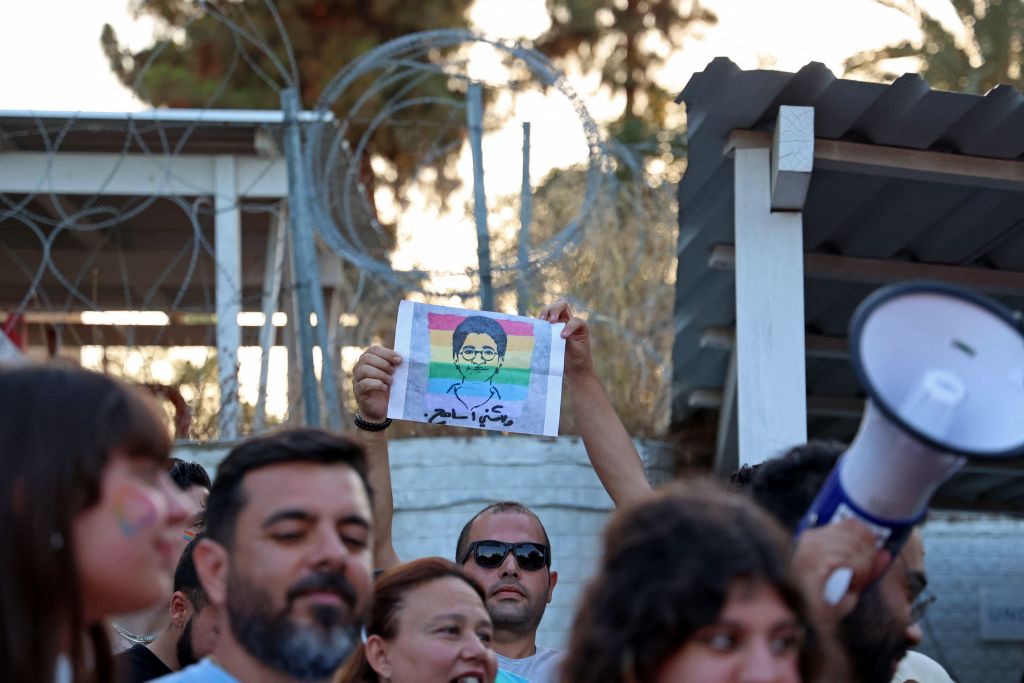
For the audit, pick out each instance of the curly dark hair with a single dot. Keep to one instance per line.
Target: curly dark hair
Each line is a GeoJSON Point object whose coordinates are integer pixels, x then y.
{"type": "Point", "coordinates": [668, 566]}
{"type": "Point", "coordinates": [787, 485]}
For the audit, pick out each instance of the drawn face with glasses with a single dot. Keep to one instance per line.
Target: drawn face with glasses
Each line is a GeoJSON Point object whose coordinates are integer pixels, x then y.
{"type": "Point", "coordinates": [478, 359]}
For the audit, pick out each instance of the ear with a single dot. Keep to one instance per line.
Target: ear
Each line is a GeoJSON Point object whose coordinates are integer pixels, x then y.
{"type": "Point", "coordinates": [552, 580]}
{"type": "Point", "coordinates": [377, 656]}
{"type": "Point", "coordinates": [180, 609]}
{"type": "Point", "coordinates": [211, 560]}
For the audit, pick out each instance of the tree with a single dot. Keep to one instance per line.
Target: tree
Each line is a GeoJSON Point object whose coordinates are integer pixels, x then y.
{"type": "Point", "coordinates": [198, 60]}
{"type": "Point", "coordinates": [194, 50]}
{"type": "Point", "coordinates": [991, 50]}
{"type": "Point", "coordinates": [627, 41]}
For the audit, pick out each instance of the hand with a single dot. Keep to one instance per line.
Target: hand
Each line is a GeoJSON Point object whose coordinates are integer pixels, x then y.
{"type": "Point", "coordinates": [371, 382]}
{"type": "Point", "coordinates": [822, 550]}
{"type": "Point", "coordinates": [576, 335]}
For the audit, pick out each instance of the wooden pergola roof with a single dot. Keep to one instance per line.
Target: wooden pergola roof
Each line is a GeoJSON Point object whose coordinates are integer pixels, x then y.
{"type": "Point", "coordinates": [899, 182]}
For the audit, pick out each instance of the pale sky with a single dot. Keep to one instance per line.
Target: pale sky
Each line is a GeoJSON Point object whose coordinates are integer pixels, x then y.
{"type": "Point", "coordinates": [52, 56]}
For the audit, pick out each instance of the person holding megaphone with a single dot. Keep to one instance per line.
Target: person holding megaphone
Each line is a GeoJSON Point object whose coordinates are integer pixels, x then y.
{"type": "Point", "coordinates": [943, 368]}
{"type": "Point", "coordinates": [873, 626]}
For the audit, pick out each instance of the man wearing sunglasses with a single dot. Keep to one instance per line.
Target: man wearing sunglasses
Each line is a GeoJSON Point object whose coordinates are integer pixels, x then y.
{"type": "Point", "coordinates": [505, 546]}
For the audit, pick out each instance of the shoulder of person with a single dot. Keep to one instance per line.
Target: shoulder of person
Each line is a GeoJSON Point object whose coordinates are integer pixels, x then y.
{"type": "Point", "coordinates": [206, 671]}
{"type": "Point", "coordinates": [918, 668]}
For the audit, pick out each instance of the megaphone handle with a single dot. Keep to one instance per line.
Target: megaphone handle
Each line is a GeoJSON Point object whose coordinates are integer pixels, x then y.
{"type": "Point", "coordinates": [837, 584]}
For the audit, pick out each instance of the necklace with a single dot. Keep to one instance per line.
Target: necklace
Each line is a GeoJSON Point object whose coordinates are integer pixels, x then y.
{"type": "Point", "coordinates": [133, 637]}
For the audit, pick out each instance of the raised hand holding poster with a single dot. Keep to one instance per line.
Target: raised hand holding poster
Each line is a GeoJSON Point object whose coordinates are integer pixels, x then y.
{"type": "Point", "coordinates": [477, 369]}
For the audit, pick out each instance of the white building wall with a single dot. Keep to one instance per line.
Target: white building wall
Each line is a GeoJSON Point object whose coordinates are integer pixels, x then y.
{"type": "Point", "coordinates": [964, 555]}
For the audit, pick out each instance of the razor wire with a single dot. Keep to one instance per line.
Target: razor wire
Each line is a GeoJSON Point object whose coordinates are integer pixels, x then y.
{"type": "Point", "coordinates": [408, 59]}
{"type": "Point", "coordinates": [335, 194]}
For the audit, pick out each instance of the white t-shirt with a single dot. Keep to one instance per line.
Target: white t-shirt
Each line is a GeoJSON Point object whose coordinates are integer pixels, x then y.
{"type": "Point", "coordinates": [916, 668]}
{"type": "Point", "coordinates": [540, 667]}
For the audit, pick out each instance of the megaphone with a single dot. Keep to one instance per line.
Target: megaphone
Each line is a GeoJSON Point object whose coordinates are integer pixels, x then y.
{"type": "Point", "coordinates": [943, 368]}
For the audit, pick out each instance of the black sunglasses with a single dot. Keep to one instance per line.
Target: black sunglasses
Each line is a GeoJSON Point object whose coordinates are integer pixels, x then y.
{"type": "Point", "coordinates": [490, 554]}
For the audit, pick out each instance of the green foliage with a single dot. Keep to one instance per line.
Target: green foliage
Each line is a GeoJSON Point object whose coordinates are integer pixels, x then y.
{"type": "Point", "coordinates": [627, 41]}
{"type": "Point", "coordinates": [194, 51]}
{"type": "Point", "coordinates": [198, 61]}
{"type": "Point", "coordinates": [991, 51]}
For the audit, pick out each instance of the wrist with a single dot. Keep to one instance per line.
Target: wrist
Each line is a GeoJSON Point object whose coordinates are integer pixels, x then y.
{"type": "Point", "coordinates": [369, 424]}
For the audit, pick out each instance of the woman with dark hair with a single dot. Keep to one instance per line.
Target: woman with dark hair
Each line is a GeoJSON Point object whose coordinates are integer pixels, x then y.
{"type": "Point", "coordinates": [427, 624]}
{"type": "Point", "coordinates": [693, 586]}
{"type": "Point", "coordinates": [88, 518]}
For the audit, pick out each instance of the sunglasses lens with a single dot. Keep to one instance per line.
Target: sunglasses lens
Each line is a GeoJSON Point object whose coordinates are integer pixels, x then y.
{"type": "Point", "coordinates": [490, 554]}
{"type": "Point", "coordinates": [530, 556]}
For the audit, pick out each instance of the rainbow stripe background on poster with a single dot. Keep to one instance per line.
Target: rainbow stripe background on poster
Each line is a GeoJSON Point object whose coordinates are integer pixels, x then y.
{"type": "Point", "coordinates": [512, 381]}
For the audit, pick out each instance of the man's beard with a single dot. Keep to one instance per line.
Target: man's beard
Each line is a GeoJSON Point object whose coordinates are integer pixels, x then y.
{"type": "Point", "coordinates": [186, 654]}
{"type": "Point", "coordinates": [306, 652]}
{"type": "Point", "coordinates": [516, 618]}
{"type": "Point", "coordinates": [875, 640]}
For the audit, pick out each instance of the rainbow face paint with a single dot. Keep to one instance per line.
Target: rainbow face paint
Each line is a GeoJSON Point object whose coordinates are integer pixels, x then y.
{"type": "Point", "coordinates": [134, 510]}
{"type": "Point", "coordinates": [188, 535]}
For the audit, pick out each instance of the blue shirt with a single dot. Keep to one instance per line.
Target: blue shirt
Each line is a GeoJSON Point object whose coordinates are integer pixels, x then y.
{"type": "Point", "coordinates": [205, 671]}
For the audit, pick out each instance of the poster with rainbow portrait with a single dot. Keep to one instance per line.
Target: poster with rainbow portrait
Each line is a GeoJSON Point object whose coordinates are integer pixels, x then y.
{"type": "Point", "coordinates": [477, 369]}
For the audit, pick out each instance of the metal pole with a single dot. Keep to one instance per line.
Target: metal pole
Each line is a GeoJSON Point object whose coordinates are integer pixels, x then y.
{"type": "Point", "coordinates": [303, 256]}
{"type": "Point", "coordinates": [475, 118]}
{"type": "Point", "coordinates": [328, 367]}
{"type": "Point", "coordinates": [525, 218]}
{"type": "Point", "coordinates": [302, 193]}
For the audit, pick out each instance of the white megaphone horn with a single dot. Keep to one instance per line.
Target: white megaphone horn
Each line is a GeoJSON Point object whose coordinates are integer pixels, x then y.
{"type": "Point", "coordinates": [943, 368]}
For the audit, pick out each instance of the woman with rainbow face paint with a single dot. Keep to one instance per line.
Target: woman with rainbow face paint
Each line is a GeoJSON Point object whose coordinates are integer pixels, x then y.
{"type": "Point", "coordinates": [88, 518]}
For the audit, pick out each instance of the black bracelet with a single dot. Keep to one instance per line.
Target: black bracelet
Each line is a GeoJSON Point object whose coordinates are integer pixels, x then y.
{"type": "Point", "coordinates": [371, 426]}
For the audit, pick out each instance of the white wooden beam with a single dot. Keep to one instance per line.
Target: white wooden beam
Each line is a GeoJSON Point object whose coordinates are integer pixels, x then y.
{"type": "Point", "coordinates": [792, 157]}
{"type": "Point", "coordinates": [883, 272]}
{"type": "Point", "coordinates": [898, 162]}
{"type": "Point", "coordinates": [228, 254]}
{"type": "Point", "coordinates": [136, 174]}
{"type": "Point", "coordinates": [770, 362]}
